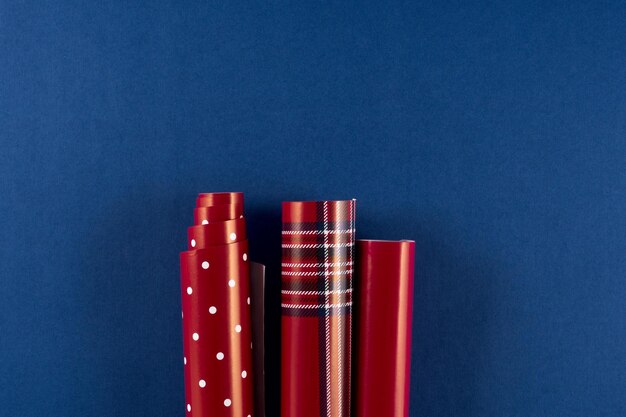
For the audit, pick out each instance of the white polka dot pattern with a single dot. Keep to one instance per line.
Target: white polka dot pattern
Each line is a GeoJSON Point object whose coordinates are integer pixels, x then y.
{"type": "Point", "coordinates": [215, 285]}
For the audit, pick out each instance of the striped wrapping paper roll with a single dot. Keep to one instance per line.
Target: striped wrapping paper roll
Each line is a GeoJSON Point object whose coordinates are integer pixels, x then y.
{"type": "Point", "coordinates": [217, 333]}
{"type": "Point", "coordinates": [384, 311]}
{"type": "Point", "coordinates": [317, 260]}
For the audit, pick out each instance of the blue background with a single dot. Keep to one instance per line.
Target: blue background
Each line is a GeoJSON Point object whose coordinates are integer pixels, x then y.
{"type": "Point", "coordinates": [492, 134]}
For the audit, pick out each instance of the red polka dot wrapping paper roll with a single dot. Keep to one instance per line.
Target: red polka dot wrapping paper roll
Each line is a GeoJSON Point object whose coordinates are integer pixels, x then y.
{"type": "Point", "coordinates": [316, 304]}
{"type": "Point", "coordinates": [383, 317]}
{"type": "Point", "coordinates": [222, 212]}
{"type": "Point", "coordinates": [217, 330]}
{"type": "Point", "coordinates": [234, 199]}
{"type": "Point", "coordinates": [216, 233]}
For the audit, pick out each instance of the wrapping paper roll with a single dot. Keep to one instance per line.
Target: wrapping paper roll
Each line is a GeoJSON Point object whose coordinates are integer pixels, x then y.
{"type": "Point", "coordinates": [217, 330]}
{"type": "Point", "coordinates": [316, 300]}
{"type": "Point", "coordinates": [257, 306]}
{"type": "Point", "coordinates": [215, 199]}
{"type": "Point", "coordinates": [216, 233]}
{"type": "Point", "coordinates": [384, 311]}
{"type": "Point", "coordinates": [222, 212]}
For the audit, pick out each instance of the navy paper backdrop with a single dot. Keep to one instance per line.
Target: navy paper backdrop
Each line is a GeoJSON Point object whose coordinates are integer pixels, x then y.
{"type": "Point", "coordinates": [492, 134]}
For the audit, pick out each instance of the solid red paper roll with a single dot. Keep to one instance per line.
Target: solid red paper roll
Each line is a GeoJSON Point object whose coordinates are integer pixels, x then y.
{"type": "Point", "coordinates": [217, 328]}
{"type": "Point", "coordinates": [384, 311]}
{"type": "Point", "coordinates": [317, 245]}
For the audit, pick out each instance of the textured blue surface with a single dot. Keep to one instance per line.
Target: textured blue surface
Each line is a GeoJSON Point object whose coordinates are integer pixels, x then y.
{"type": "Point", "coordinates": [492, 134]}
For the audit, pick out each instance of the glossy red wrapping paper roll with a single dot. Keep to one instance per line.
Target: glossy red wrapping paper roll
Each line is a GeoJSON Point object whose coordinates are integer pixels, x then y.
{"type": "Point", "coordinates": [217, 330]}
{"type": "Point", "coordinates": [316, 301]}
{"type": "Point", "coordinates": [215, 199]}
{"type": "Point", "coordinates": [216, 233]}
{"type": "Point", "coordinates": [222, 212]}
{"type": "Point", "coordinates": [383, 313]}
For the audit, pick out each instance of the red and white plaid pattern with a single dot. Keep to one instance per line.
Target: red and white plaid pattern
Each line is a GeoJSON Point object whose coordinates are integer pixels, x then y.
{"type": "Point", "coordinates": [317, 264]}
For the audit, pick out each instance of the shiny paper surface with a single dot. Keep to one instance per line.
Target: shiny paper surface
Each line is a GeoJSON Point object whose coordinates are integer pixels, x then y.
{"type": "Point", "coordinates": [317, 245]}
{"type": "Point", "coordinates": [217, 328]}
{"type": "Point", "coordinates": [257, 305]}
{"type": "Point", "coordinates": [383, 316]}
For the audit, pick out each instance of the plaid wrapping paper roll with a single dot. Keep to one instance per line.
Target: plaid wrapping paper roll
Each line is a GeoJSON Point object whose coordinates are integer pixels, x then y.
{"type": "Point", "coordinates": [384, 311]}
{"type": "Point", "coordinates": [316, 300]}
{"type": "Point", "coordinates": [217, 331]}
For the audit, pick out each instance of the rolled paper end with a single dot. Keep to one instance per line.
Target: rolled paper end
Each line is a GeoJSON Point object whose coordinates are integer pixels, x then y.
{"type": "Point", "coordinates": [214, 199]}
{"type": "Point", "coordinates": [313, 211]}
{"type": "Point", "coordinates": [217, 233]}
{"type": "Point", "coordinates": [218, 213]}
